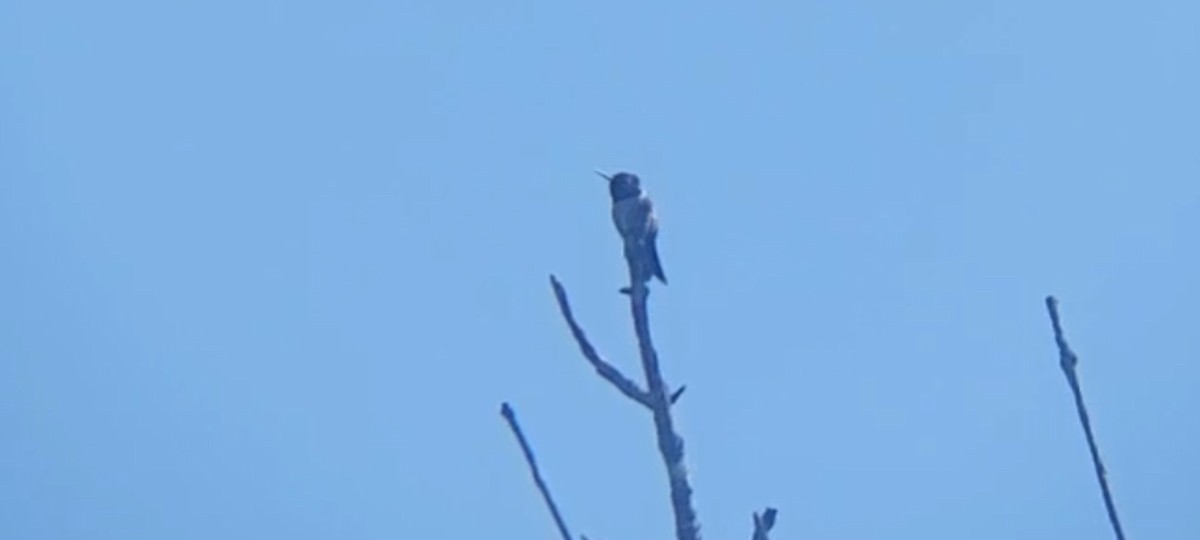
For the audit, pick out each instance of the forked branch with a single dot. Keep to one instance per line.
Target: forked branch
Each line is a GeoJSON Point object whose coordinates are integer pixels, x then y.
{"type": "Point", "coordinates": [763, 524]}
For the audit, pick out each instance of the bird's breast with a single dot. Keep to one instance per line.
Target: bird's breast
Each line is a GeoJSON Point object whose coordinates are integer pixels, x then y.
{"type": "Point", "coordinates": [625, 216]}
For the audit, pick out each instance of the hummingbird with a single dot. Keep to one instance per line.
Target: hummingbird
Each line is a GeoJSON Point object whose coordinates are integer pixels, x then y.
{"type": "Point", "coordinates": [633, 214]}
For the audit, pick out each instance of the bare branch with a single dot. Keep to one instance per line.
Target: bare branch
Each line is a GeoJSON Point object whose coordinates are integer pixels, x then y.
{"type": "Point", "coordinates": [604, 369]}
{"type": "Point", "coordinates": [763, 524]}
{"type": "Point", "coordinates": [1067, 360]}
{"type": "Point", "coordinates": [677, 394]}
{"type": "Point", "coordinates": [670, 444]}
{"type": "Point", "coordinates": [511, 417]}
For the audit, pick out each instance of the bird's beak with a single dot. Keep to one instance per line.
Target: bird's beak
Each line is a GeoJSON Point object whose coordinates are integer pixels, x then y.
{"type": "Point", "coordinates": [604, 176]}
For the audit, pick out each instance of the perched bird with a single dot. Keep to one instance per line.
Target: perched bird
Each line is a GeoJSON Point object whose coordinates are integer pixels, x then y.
{"type": "Point", "coordinates": [633, 214]}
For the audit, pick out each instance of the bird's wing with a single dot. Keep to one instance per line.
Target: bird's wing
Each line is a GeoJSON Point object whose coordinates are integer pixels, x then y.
{"type": "Point", "coordinates": [651, 236]}
{"type": "Point", "coordinates": [650, 223]}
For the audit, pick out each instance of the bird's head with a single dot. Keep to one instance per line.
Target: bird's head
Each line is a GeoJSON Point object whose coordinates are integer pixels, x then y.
{"type": "Point", "coordinates": [623, 185]}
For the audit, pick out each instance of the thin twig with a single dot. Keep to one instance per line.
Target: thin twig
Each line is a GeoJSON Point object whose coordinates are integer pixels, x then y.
{"type": "Point", "coordinates": [670, 444]}
{"type": "Point", "coordinates": [604, 369]}
{"type": "Point", "coordinates": [763, 524]}
{"type": "Point", "coordinates": [511, 417]}
{"type": "Point", "coordinates": [1067, 360]}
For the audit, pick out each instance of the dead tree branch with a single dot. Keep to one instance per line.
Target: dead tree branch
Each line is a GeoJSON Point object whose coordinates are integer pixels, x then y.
{"type": "Point", "coordinates": [508, 414]}
{"type": "Point", "coordinates": [670, 444]}
{"type": "Point", "coordinates": [655, 397]}
{"type": "Point", "coordinates": [1067, 360]}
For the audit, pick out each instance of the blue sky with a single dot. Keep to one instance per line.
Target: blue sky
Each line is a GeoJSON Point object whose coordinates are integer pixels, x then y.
{"type": "Point", "coordinates": [269, 268]}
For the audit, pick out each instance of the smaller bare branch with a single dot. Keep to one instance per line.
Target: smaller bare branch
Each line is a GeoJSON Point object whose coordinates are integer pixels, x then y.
{"type": "Point", "coordinates": [1067, 360]}
{"type": "Point", "coordinates": [604, 369]}
{"type": "Point", "coordinates": [511, 417]}
{"type": "Point", "coordinates": [677, 394]}
{"type": "Point", "coordinates": [763, 524]}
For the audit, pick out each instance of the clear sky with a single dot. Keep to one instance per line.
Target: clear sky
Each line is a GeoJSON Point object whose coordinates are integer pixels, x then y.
{"type": "Point", "coordinates": [268, 269]}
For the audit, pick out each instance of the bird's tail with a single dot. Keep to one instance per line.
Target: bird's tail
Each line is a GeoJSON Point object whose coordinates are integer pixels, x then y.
{"type": "Point", "coordinates": [655, 266]}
